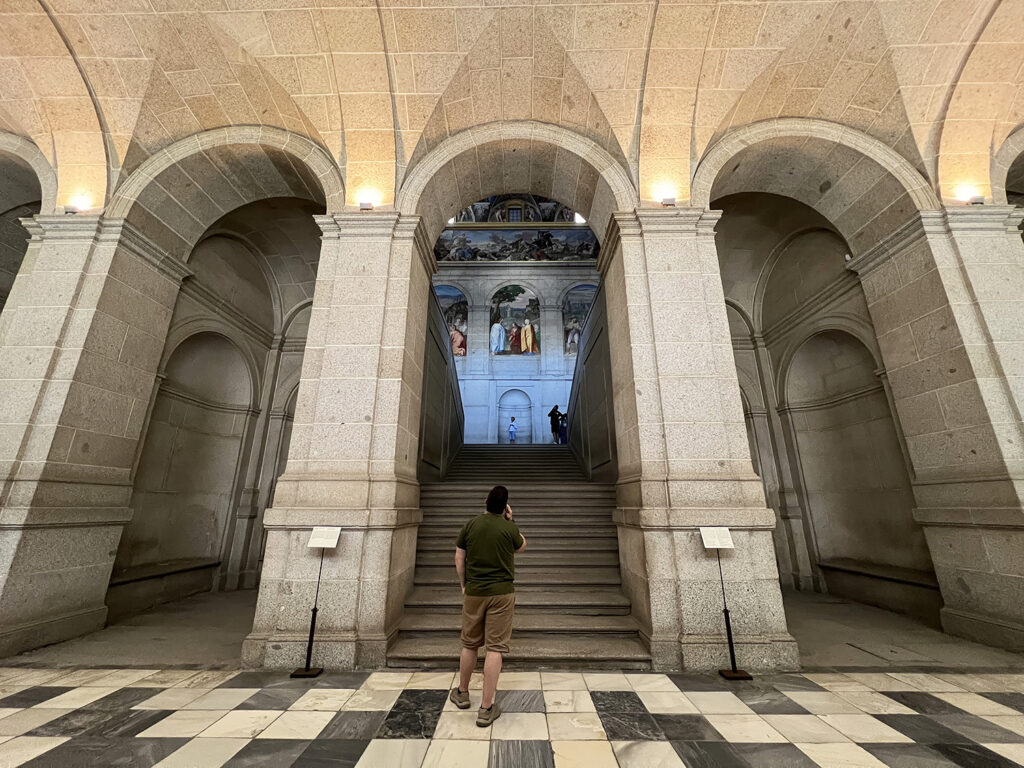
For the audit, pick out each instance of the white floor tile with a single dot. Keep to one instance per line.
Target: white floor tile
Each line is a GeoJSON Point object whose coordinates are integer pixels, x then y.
{"type": "Point", "coordinates": [297, 725]}
{"type": "Point", "coordinates": [371, 701]}
{"type": "Point", "coordinates": [203, 753]}
{"type": "Point", "coordinates": [874, 703]}
{"type": "Point", "coordinates": [327, 699]}
{"type": "Point", "coordinates": [221, 698]}
{"type": "Point", "coordinates": [172, 698]}
{"type": "Point", "coordinates": [519, 681]}
{"type": "Point", "coordinates": [457, 753]}
{"type": "Point", "coordinates": [646, 754]}
{"type": "Point", "coordinates": [664, 703]}
{"type": "Point", "coordinates": [1014, 752]}
{"type": "Point", "coordinates": [184, 724]}
{"type": "Point", "coordinates": [163, 679]}
{"type": "Point", "coordinates": [75, 698]}
{"type": "Point", "coordinates": [718, 703]}
{"type": "Point", "coordinates": [394, 753]}
{"type": "Point", "coordinates": [460, 725]}
{"type": "Point", "coordinates": [584, 754]}
{"type": "Point", "coordinates": [925, 682]}
{"type": "Point", "coordinates": [805, 729]}
{"type": "Point", "coordinates": [607, 681]}
{"type": "Point", "coordinates": [652, 683]}
{"type": "Point", "coordinates": [840, 756]}
{"type": "Point", "coordinates": [823, 703]}
{"type": "Point", "coordinates": [24, 748]}
{"type": "Point", "coordinates": [208, 679]}
{"type": "Point", "coordinates": [241, 724]}
{"type": "Point", "coordinates": [520, 726]}
{"type": "Point", "coordinates": [386, 681]}
{"type": "Point", "coordinates": [745, 729]}
{"type": "Point", "coordinates": [121, 677]}
{"type": "Point", "coordinates": [432, 680]}
{"type": "Point", "coordinates": [975, 704]}
{"type": "Point", "coordinates": [79, 677]}
{"type": "Point", "coordinates": [562, 681]}
{"type": "Point", "coordinates": [575, 726]}
{"type": "Point", "coordinates": [568, 701]}
{"type": "Point", "coordinates": [1014, 723]}
{"type": "Point", "coordinates": [27, 719]}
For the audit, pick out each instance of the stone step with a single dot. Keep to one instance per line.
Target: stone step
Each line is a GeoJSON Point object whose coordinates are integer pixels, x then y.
{"type": "Point", "coordinates": [532, 559]}
{"type": "Point", "coordinates": [534, 521]}
{"type": "Point", "coordinates": [563, 545]}
{"type": "Point", "coordinates": [552, 530]}
{"type": "Point", "coordinates": [581, 601]}
{"type": "Point", "coordinates": [547, 651]}
{"type": "Point", "coordinates": [577, 575]}
{"type": "Point", "coordinates": [525, 621]}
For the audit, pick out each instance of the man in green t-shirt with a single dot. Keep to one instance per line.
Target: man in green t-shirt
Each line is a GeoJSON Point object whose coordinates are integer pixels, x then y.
{"type": "Point", "coordinates": [485, 561]}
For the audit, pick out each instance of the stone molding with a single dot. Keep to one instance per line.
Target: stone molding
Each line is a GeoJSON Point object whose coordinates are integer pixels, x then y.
{"type": "Point", "coordinates": [999, 165]}
{"type": "Point", "coordinates": [828, 402]}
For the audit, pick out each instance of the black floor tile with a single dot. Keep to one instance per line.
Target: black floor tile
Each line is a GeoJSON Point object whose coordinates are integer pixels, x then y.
{"type": "Point", "coordinates": [709, 754]}
{"type": "Point", "coordinates": [31, 696]}
{"type": "Point", "coordinates": [87, 752]}
{"type": "Point", "coordinates": [923, 703]}
{"type": "Point", "coordinates": [268, 753]}
{"type": "Point", "coordinates": [408, 725]}
{"type": "Point", "coordinates": [126, 724]}
{"type": "Point", "coordinates": [273, 698]}
{"type": "Point", "coordinates": [75, 723]}
{"type": "Point", "coordinates": [978, 729]}
{"type": "Point", "coordinates": [268, 678]}
{"type": "Point", "coordinates": [122, 699]}
{"type": "Point", "coordinates": [521, 701]}
{"type": "Point", "coordinates": [331, 753]}
{"type": "Point", "coordinates": [687, 728]}
{"type": "Point", "coordinates": [923, 729]}
{"type": "Point", "coordinates": [973, 756]}
{"type": "Point", "coordinates": [341, 679]}
{"type": "Point", "coordinates": [631, 726]}
{"type": "Point", "coordinates": [354, 725]}
{"type": "Point", "coordinates": [788, 682]}
{"type": "Point", "coordinates": [771, 703]}
{"type": "Point", "coordinates": [908, 756]}
{"type": "Point", "coordinates": [691, 682]}
{"type": "Point", "coordinates": [617, 701]}
{"type": "Point", "coordinates": [521, 754]}
{"type": "Point", "coordinates": [420, 701]}
{"type": "Point", "coordinates": [773, 756]}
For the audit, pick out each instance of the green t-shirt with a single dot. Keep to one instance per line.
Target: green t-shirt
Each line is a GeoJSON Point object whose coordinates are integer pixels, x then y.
{"type": "Point", "coordinates": [490, 542]}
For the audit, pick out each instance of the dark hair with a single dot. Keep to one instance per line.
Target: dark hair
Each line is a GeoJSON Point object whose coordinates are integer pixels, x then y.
{"type": "Point", "coordinates": [497, 499]}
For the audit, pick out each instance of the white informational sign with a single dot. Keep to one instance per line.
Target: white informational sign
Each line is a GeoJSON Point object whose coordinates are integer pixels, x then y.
{"type": "Point", "coordinates": [716, 538]}
{"type": "Point", "coordinates": [324, 537]}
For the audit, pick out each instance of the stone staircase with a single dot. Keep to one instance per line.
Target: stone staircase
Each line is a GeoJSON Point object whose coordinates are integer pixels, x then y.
{"type": "Point", "coordinates": [570, 608]}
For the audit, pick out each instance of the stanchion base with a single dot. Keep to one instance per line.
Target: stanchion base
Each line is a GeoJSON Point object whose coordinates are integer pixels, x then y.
{"type": "Point", "coordinates": [311, 672]}
{"type": "Point", "coordinates": [728, 674]}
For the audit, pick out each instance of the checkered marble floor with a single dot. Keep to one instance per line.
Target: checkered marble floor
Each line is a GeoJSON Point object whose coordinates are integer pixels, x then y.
{"type": "Point", "coordinates": [179, 718]}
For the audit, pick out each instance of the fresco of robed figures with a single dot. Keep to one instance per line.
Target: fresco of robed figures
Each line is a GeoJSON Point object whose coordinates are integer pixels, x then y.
{"type": "Point", "coordinates": [569, 244]}
{"type": "Point", "coordinates": [455, 309]}
{"type": "Point", "coordinates": [515, 328]}
{"type": "Point", "coordinates": [577, 304]}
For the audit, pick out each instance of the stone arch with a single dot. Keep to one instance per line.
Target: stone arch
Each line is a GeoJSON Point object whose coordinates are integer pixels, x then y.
{"type": "Point", "coordinates": [180, 334]}
{"type": "Point", "coordinates": [514, 402]}
{"type": "Point", "coordinates": [258, 258]}
{"type": "Point", "coordinates": [27, 151]}
{"type": "Point", "coordinates": [516, 281]}
{"type": "Point", "coordinates": [857, 328]}
{"type": "Point", "coordinates": [1009, 153]}
{"type": "Point", "coordinates": [715, 159]}
{"type": "Point", "coordinates": [176, 194]}
{"type": "Point", "coordinates": [607, 186]}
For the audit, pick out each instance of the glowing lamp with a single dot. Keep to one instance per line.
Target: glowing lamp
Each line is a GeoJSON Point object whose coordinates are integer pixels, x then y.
{"type": "Point", "coordinates": [369, 198]}
{"type": "Point", "coordinates": [968, 193]}
{"type": "Point", "coordinates": [80, 201]}
{"type": "Point", "coordinates": [665, 192]}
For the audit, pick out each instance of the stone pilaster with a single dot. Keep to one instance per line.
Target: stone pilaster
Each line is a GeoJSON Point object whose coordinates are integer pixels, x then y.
{"type": "Point", "coordinates": [80, 341]}
{"type": "Point", "coordinates": [353, 454]}
{"type": "Point", "coordinates": [945, 295]}
{"type": "Point", "coordinates": [684, 460]}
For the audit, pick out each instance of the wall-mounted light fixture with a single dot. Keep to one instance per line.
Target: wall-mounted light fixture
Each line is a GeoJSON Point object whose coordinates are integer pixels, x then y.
{"type": "Point", "coordinates": [668, 202]}
{"type": "Point", "coordinates": [665, 191]}
{"type": "Point", "coordinates": [369, 198]}
{"type": "Point", "coordinates": [365, 205]}
{"type": "Point", "coordinates": [968, 193]}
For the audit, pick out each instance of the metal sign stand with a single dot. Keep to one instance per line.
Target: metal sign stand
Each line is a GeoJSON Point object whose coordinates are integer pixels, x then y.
{"type": "Point", "coordinates": [719, 539]}
{"type": "Point", "coordinates": [323, 539]}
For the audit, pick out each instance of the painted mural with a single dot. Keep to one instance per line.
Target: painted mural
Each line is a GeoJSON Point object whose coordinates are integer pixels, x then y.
{"type": "Point", "coordinates": [554, 244]}
{"type": "Point", "coordinates": [575, 307]}
{"type": "Point", "coordinates": [455, 309]}
{"type": "Point", "coordinates": [515, 326]}
{"type": "Point", "coordinates": [509, 209]}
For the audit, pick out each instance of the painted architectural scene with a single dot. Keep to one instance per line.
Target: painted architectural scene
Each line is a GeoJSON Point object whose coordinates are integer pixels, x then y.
{"type": "Point", "coordinates": [575, 307]}
{"type": "Point", "coordinates": [515, 322]}
{"type": "Point", "coordinates": [503, 244]}
{"type": "Point", "coordinates": [510, 209]}
{"type": "Point", "coordinates": [455, 309]}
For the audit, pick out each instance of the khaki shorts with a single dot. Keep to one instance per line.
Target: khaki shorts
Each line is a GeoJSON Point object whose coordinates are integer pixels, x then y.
{"type": "Point", "coordinates": [487, 621]}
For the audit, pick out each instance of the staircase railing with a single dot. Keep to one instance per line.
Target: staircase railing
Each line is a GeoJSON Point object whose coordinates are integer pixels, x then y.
{"type": "Point", "coordinates": [591, 420]}
{"type": "Point", "coordinates": [442, 422]}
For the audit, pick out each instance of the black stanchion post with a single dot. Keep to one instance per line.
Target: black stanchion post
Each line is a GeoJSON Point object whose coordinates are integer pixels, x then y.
{"type": "Point", "coordinates": [309, 671]}
{"type": "Point", "coordinates": [732, 673]}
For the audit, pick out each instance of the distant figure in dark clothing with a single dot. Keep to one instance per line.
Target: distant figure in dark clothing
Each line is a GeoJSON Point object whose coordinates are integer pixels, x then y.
{"type": "Point", "coordinates": [563, 430]}
{"type": "Point", "coordinates": [555, 416]}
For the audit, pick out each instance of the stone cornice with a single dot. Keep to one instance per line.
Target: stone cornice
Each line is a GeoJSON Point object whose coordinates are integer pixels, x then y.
{"type": "Point", "coordinates": [127, 236]}
{"type": "Point", "coordinates": [660, 222]}
{"type": "Point", "coordinates": [828, 402]}
{"type": "Point", "coordinates": [904, 236]}
{"type": "Point", "coordinates": [412, 227]}
{"type": "Point", "coordinates": [985, 219]}
{"type": "Point", "coordinates": [227, 312]}
{"type": "Point", "coordinates": [66, 227]}
{"type": "Point", "coordinates": [362, 225]}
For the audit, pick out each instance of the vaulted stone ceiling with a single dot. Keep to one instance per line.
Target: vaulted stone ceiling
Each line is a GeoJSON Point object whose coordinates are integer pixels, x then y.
{"type": "Point", "coordinates": [101, 85]}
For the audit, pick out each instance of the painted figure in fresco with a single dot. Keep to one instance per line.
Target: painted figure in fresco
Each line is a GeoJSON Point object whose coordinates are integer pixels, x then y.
{"type": "Point", "coordinates": [572, 337]}
{"type": "Point", "coordinates": [515, 339]}
{"type": "Point", "coordinates": [458, 341]}
{"type": "Point", "coordinates": [530, 343]}
{"type": "Point", "coordinates": [497, 338]}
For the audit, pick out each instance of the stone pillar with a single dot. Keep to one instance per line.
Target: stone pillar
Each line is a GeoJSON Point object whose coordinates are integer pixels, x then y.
{"type": "Point", "coordinates": [353, 453]}
{"type": "Point", "coordinates": [80, 342]}
{"type": "Point", "coordinates": [946, 294]}
{"type": "Point", "coordinates": [684, 460]}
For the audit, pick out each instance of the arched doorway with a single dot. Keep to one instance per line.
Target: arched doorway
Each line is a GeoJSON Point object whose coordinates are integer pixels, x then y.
{"type": "Point", "coordinates": [515, 404]}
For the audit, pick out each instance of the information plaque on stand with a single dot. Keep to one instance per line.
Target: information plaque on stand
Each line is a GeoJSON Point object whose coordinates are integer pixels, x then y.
{"type": "Point", "coordinates": [322, 538]}
{"type": "Point", "coordinates": [719, 538]}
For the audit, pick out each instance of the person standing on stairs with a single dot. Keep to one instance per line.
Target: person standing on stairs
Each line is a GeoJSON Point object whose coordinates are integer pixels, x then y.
{"type": "Point", "coordinates": [485, 562]}
{"type": "Point", "coordinates": [554, 416]}
{"type": "Point", "coordinates": [512, 428]}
